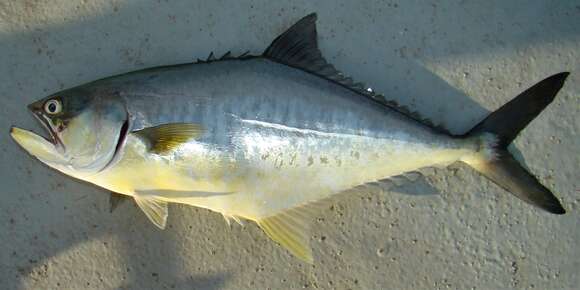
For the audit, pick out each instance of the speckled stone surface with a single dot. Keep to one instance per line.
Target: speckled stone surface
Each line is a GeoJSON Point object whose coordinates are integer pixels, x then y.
{"type": "Point", "coordinates": [454, 61]}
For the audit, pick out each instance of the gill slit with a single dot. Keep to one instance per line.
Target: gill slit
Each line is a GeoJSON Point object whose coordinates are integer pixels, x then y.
{"type": "Point", "coordinates": [120, 144]}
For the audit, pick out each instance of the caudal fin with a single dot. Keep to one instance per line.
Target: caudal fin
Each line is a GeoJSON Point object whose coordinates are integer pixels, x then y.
{"type": "Point", "coordinates": [504, 125]}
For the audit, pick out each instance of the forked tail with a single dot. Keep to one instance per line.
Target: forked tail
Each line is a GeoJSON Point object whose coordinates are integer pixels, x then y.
{"type": "Point", "coordinates": [504, 125]}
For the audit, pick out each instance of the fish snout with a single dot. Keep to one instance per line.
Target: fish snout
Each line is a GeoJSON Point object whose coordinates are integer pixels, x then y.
{"type": "Point", "coordinates": [35, 108]}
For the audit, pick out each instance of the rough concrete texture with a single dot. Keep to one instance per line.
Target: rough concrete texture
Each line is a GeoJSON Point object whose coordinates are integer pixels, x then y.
{"type": "Point", "coordinates": [454, 61]}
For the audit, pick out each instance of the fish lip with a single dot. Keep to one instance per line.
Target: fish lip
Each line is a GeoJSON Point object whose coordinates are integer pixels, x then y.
{"type": "Point", "coordinates": [54, 139]}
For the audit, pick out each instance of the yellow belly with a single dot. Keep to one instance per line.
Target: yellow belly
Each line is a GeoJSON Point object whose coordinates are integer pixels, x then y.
{"type": "Point", "coordinates": [138, 170]}
{"type": "Point", "coordinates": [264, 184]}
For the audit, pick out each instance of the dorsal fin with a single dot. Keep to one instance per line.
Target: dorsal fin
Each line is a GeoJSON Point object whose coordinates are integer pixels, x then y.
{"type": "Point", "coordinates": [226, 56]}
{"type": "Point", "coordinates": [298, 47]}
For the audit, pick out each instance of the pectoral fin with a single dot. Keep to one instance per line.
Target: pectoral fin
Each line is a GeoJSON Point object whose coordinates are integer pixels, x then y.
{"type": "Point", "coordinates": [154, 209]}
{"type": "Point", "coordinates": [166, 137]}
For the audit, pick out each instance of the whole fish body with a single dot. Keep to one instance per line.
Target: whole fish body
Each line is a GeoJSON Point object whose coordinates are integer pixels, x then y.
{"type": "Point", "coordinates": [263, 137]}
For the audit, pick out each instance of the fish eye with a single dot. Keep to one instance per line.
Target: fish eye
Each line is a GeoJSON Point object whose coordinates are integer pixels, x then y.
{"type": "Point", "coordinates": [52, 106]}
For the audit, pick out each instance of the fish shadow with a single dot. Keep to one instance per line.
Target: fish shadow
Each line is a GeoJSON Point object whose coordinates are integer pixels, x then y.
{"type": "Point", "coordinates": [45, 214]}
{"type": "Point", "coordinates": [419, 187]}
{"type": "Point", "coordinates": [196, 282]}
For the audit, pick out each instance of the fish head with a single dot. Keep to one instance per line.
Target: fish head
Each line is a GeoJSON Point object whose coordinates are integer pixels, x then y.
{"type": "Point", "coordinates": [86, 130]}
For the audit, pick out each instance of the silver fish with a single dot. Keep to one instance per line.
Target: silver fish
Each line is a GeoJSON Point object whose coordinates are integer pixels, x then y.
{"type": "Point", "coordinates": [264, 137]}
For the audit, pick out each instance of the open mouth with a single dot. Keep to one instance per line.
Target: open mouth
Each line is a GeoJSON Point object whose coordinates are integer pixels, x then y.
{"type": "Point", "coordinates": [46, 123]}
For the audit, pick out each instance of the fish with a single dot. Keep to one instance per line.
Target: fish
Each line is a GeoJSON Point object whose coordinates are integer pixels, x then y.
{"type": "Point", "coordinates": [265, 138]}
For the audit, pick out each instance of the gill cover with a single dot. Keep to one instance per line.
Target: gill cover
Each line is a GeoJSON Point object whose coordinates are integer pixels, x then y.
{"type": "Point", "coordinates": [91, 138]}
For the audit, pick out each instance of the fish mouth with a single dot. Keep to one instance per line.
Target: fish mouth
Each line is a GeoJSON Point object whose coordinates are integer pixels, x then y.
{"type": "Point", "coordinates": [46, 123]}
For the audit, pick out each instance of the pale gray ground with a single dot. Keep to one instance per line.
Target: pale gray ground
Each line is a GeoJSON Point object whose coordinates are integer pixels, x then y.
{"type": "Point", "coordinates": [452, 60]}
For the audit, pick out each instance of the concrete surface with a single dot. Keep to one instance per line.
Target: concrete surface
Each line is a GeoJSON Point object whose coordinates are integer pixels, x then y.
{"type": "Point", "coordinates": [452, 60]}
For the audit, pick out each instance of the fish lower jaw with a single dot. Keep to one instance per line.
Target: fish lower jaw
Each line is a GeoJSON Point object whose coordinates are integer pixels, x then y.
{"type": "Point", "coordinates": [38, 146]}
{"type": "Point", "coordinates": [15, 132]}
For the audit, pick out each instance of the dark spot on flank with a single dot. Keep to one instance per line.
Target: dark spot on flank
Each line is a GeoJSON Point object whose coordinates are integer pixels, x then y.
{"type": "Point", "coordinates": [279, 162]}
{"type": "Point", "coordinates": [293, 159]}
{"type": "Point", "coordinates": [310, 161]}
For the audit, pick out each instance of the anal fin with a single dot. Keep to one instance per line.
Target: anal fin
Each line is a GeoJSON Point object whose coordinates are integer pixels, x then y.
{"type": "Point", "coordinates": [291, 229]}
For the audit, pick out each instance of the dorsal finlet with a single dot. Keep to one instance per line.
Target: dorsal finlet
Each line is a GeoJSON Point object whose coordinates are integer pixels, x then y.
{"type": "Point", "coordinates": [226, 56]}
